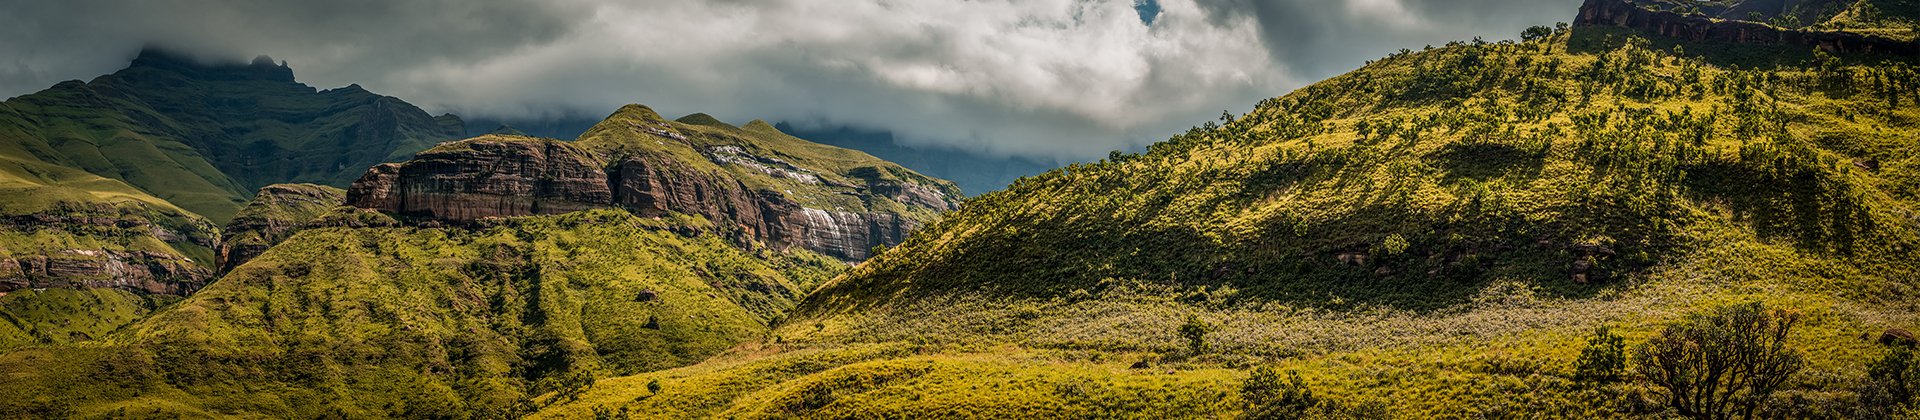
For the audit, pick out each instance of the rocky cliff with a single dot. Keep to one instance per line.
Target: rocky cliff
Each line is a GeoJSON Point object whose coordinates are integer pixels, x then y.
{"type": "Point", "coordinates": [276, 213]}
{"type": "Point", "coordinates": [1701, 28]}
{"type": "Point", "coordinates": [105, 247]}
{"type": "Point", "coordinates": [485, 177]}
{"type": "Point", "coordinates": [758, 184]}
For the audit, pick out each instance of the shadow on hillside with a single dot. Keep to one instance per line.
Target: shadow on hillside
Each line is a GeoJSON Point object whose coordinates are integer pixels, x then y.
{"type": "Point", "coordinates": [1482, 162]}
{"type": "Point", "coordinates": [1599, 40]}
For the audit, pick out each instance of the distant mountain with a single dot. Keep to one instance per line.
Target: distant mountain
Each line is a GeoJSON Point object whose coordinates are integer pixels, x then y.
{"type": "Point", "coordinates": [975, 173]}
{"type": "Point", "coordinates": [111, 190]}
{"type": "Point", "coordinates": [205, 136]}
{"type": "Point", "coordinates": [563, 128]}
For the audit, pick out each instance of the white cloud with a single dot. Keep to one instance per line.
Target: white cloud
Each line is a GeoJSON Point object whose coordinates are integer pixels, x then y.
{"type": "Point", "coordinates": [1049, 78]}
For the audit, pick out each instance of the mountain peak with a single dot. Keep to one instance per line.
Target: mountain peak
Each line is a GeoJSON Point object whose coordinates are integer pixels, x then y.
{"type": "Point", "coordinates": [702, 118]}
{"type": "Point", "coordinates": [261, 68]}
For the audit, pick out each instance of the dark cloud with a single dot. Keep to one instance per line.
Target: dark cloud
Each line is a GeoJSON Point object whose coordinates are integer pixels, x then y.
{"type": "Point", "coordinates": [1050, 78]}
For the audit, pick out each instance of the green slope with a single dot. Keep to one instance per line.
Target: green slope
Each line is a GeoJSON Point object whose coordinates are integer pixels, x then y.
{"type": "Point", "coordinates": [1410, 237]}
{"type": "Point", "coordinates": [203, 137]}
{"type": "Point", "coordinates": [411, 322]}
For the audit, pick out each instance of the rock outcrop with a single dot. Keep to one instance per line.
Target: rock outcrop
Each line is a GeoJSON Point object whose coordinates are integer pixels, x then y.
{"type": "Point", "coordinates": [486, 177]}
{"type": "Point", "coordinates": [1700, 28]}
{"type": "Point", "coordinates": [117, 258]}
{"type": "Point", "coordinates": [276, 213]}
{"type": "Point", "coordinates": [144, 271]}
{"type": "Point", "coordinates": [743, 187]}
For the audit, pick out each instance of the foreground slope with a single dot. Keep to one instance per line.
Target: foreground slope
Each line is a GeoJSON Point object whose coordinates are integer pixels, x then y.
{"type": "Point", "coordinates": [398, 321]}
{"type": "Point", "coordinates": [1433, 235]}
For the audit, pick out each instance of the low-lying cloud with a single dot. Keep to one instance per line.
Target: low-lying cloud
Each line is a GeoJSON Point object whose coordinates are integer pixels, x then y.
{"type": "Point", "coordinates": [1043, 78]}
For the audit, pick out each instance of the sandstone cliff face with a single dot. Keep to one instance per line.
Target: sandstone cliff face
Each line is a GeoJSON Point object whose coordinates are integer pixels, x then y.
{"type": "Point", "coordinates": [1627, 14]}
{"type": "Point", "coordinates": [489, 176]}
{"type": "Point", "coordinates": [506, 176]}
{"type": "Point", "coordinates": [109, 266]}
{"type": "Point", "coordinates": [275, 214]}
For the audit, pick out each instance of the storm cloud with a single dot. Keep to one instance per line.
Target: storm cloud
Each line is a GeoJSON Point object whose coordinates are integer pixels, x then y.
{"type": "Point", "coordinates": [1042, 78]}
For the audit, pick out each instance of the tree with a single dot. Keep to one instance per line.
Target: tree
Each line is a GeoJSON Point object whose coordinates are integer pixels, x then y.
{"type": "Point", "coordinates": [1195, 331]}
{"type": "Point", "coordinates": [1605, 358]}
{"type": "Point", "coordinates": [653, 387]}
{"type": "Point", "coordinates": [1721, 364]}
{"type": "Point", "coordinates": [1535, 33]}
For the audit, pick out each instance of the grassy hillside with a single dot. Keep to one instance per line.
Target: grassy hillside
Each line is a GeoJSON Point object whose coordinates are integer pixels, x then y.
{"type": "Point", "coordinates": [377, 322]}
{"type": "Point", "coordinates": [1436, 234]}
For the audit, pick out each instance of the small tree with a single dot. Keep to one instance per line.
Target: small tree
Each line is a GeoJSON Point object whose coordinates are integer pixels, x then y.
{"type": "Point", "coordinates": [1721, 364]}
{"type": "Point", "coordinates": [1535, 33]}
{"type": "Point", "coordinates": [653, 387]}
{"type": "Point", "coordinates": [1268, 397]}
{"type": "Point", "coordinates": [1605, 358]}
{"type": "Point", "coordinates": [1195, 331]}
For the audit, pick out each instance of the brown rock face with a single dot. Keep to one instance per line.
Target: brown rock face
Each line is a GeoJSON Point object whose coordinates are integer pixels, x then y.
{"type": "Point", "coordinates": [150, 272]}
{"type": "Point", "coordinates": [84, 268]}
{"type": "Point", "coordinates": [1626, 14]}
{"type": "Point", "coordinates": [491, 176]}
{"type": "Point", "coordinates": [507, 176]}
{"type": "Point", "coordinates": [651, 185]}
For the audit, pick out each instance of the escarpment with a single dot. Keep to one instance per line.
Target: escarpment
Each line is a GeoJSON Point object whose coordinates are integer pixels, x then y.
{"type": "Point", "coordinates": [116, 251]}
{"type": "Point", "coordinates": [758, 194]}
{"type": "Point", "coordinates": [488, 176]}
{"type": "Point", "coordinates": [1701, 28]}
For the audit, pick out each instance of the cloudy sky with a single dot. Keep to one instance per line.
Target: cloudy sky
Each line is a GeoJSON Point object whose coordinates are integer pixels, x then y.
{"type": "Point", "coordinates": [1042, 78]}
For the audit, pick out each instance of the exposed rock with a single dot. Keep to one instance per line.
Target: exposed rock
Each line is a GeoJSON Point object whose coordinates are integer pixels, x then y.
{"type": "Point", "coordinates": [1585, 258]}
{"type": "Point", "coordinates": [1896, 336]}
{"type": "Point", "coordinates": [758, 186]}
{"type": "Point", "coordinates": [275, 214]}
{"type": "Point", "coordinates": [486, 177]}
{"type": "Point", "coordinates": [149, 272]}
{"type": "Point", "coordinates": [1699, 28]}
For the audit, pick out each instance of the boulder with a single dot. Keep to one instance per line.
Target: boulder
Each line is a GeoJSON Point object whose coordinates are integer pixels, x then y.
{"type": "Point", "coordinates": [1896, 336]}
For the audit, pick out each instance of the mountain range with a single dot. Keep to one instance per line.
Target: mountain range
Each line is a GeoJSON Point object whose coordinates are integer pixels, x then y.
{"type": "Point", "coordinates": [1581, 223]}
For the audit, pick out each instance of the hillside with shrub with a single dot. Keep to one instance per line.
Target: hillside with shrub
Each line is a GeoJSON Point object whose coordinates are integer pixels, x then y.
{"type": "Point", "coordinates": [1573, 225]}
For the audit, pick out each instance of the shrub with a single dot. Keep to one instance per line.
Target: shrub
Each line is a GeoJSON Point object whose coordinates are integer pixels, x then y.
{"type": "Point", "coordinates": [1195, 331]}
{"type": "Point", "coordinates": [653, 387]}
{"type": "Point", "coordinates": [1605, 358]}
{"type": "Point", "coordinates": [1268, 397]}
{"type": "Point", "coordinates": [1721, 364]}
{"type": "Point", "coordinates": [1891, 383]}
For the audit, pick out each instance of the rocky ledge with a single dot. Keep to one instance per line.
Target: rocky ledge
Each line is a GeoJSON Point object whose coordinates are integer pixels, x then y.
{"type": "Point", "coordinates": [276, 213]}
{"type": "Point", "coordinates": [150, 272]}
{"type": "Point", "coordinates": [506, 176]}
{"type": "Point", "coordinates": [1700, 28]}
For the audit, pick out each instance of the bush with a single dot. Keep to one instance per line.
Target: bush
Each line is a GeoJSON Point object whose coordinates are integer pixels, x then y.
{"type": "Point", "coordinates": [1605, 358]}
{"type": "Point", "coordinates": [1891, 383]}
{"type": "Point", "coordinates": [1195, 331]}
{"type": "Point", "coordinates": [1268, 397]}
{"type": "Point", "coordinates": [1721, 364]}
